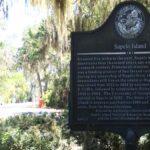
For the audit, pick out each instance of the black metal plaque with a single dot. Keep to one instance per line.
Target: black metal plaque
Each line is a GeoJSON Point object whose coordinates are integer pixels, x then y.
{"type": "Point", "coordinates": [110, 73]}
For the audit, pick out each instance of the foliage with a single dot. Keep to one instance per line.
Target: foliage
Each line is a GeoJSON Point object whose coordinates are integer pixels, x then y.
{"type": "Point", "coordinates": [96, 140]}
{"type": "Point", "coordinates": [16, 86]}
{"type": "Point", "coordinates": [30, 132]}
{"type": "Point", "coordinates": [89, 140]}
{"type": "Point", "coordinates": [49, 68]}
{"type": "Point", "coordinates": [33, 57]}
{"type": "Point", "coordinates": [50, 132]}
{"type": "Point", "coordinates": [144, 142]}
{"type": "Point", "coordinates": [13, 83]}
{"type": "Point", "coordinates": [34, 47]}
{"type": "Point", "coordinates": [56, 95]}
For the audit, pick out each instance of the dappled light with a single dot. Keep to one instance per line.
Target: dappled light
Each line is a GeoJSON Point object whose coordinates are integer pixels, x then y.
{"type": "Point", "coordinates": [35, 54]}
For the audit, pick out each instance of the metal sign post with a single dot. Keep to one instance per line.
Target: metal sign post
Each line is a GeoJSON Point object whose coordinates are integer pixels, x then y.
{"type": "Point", "coordinates": [131, 141]}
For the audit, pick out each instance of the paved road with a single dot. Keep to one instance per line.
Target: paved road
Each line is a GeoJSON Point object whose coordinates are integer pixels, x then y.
{"type": "Point", "coordinates": [15, 109]}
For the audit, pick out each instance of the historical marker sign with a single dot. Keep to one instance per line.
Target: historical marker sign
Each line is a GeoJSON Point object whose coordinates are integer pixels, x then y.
{"type": "Point", "coordinates": [110, 73]}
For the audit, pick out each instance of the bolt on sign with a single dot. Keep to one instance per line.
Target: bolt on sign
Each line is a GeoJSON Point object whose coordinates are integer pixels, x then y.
{"type": "Point", "coordinates": [110, 74]}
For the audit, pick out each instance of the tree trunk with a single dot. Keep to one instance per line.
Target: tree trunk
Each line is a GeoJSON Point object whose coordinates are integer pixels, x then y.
{"type": "Point", "coordinates": [45, 79]}
{"type": "Point", "coordinates": [46, 86]}
{"type": "Point", "coordinates": [39, 82]}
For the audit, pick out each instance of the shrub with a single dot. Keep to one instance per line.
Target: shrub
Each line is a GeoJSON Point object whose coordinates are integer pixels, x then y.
{"type": "Point", "coordinates": [30, 132]}
{"type": "Point", "coordinates": [57, 94]}
{"type": "Point", "coordinates": [51, 132]}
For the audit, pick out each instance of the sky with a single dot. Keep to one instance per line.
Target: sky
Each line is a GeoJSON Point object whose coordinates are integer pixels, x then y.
{"type": "Point", "coordinates": [20, 17]}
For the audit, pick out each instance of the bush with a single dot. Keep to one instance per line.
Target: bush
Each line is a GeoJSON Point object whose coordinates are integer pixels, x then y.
{"type": "Point", "coordinates": [51, 132]}
{"type": "Point", "coordinates": [89, 140]}
{"type": "Point", "coordinates": [57, 94]}
{"type": "Point", "coordinates": [30, 132]}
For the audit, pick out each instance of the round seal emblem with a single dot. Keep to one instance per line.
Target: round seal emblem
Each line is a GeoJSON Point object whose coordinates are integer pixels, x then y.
{"type": "Point", "coordinates": [129, 22]}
